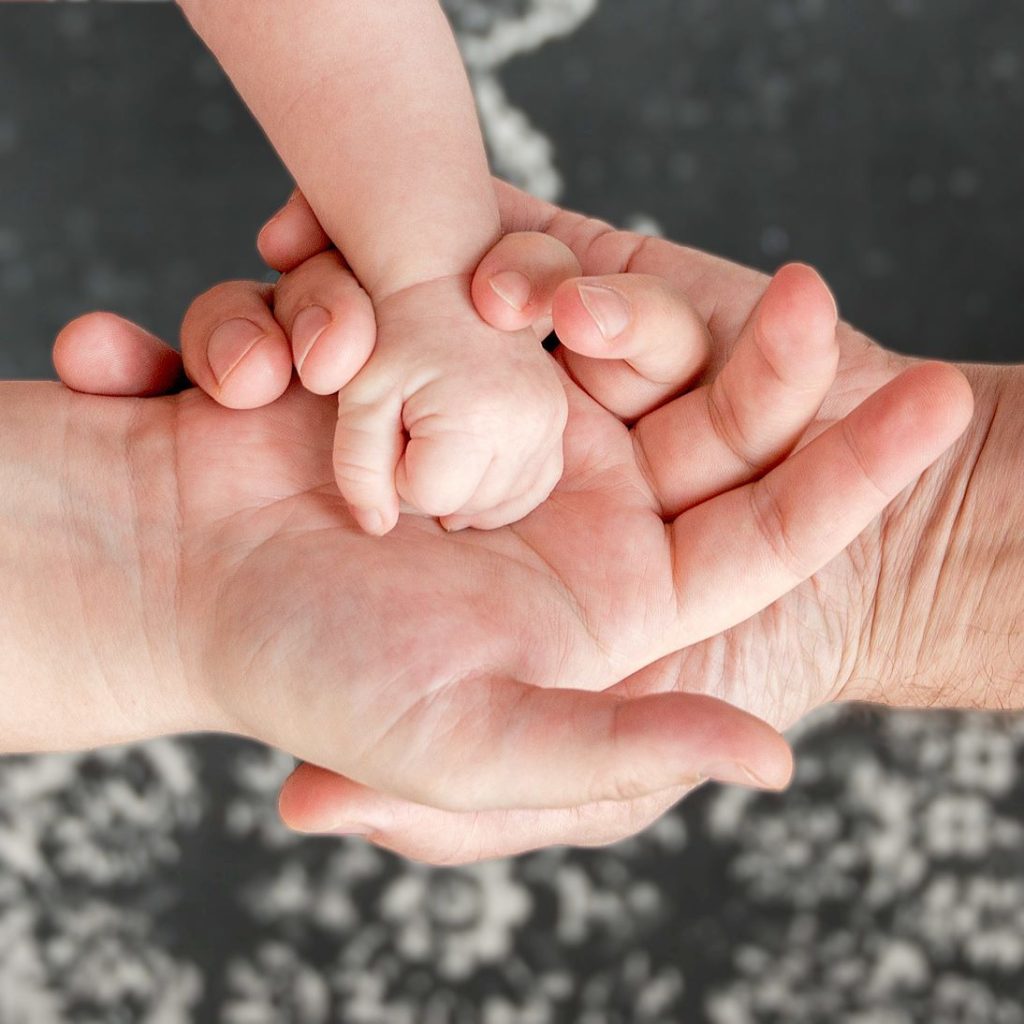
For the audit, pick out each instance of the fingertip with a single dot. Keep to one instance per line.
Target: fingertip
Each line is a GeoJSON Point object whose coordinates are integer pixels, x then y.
{"type": "Point", "coordinates": [374, 521]}
{"type": "Point", "coordinates": [104, 354]}
{"type": "Point", "coordinates": [259, 377]}
{"type": "Point", "coordinates": [504, 299]}
{"type": "Point", "coordinates": [265, 244]}
{"type": "Point", "coordinates": [769, 766]}
{"type": "Point", "coordinates": [340, 349]}
{"type": "Point", "coordinates": [945, 405]}
{"type": "Point", "coordinates": [280, 245]}
{"type": "Point", "coordinates": [798, 296]}
{"type": "Point", "coordinates": [803, 279]}
{"type": "Point", "coordinates": [299, 802]}
{"type": "Point", "coordinates": [74, 349]}
{"type": "Point", "coordinates": [291, 236]}
{"type": "Point", "coordinates": [234, 348]}
{"type": "Point", "coordinates": [902, 429]}
{"type": "Point", "coordinates": [723, 742]}
{"type": "Point", "coordinates": [515, 282]}
{"type": "Point", "coordinates": [315, 801]}
{"type": "Point", "coordinates": [793, 330]}
{"type": "Point", "coordinates": [574, 323]}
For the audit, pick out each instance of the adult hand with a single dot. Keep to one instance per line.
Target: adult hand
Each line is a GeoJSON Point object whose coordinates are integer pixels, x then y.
{"type": "Point", "coordinates": [601, 588]}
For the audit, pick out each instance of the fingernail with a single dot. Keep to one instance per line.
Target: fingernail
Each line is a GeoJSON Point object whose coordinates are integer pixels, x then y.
{"type": "Point", "coordinates": [608, 308]}
{"type": "Point", "coordinates": [513, 288]}
{"type": "Point", "coordinates": [229, 344]}
{"type": "Point", "coordinates": [310, 323]}
{"type": "Point", "coordinates": [734, 773]}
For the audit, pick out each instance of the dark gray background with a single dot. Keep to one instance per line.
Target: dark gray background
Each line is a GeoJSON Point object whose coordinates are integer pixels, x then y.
{"type": "Point", "coordinates": [877, 139]}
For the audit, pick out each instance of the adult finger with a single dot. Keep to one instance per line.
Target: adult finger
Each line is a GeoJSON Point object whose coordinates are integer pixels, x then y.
{"type": "Point", "coordinates": [292, 236]}
{"type": "Point", "coordinates": [515, 283]}
{"type": "Point", "coordinates": [234, 348]}
{"type": "Point", "coordinates": [314, 800]}
{"type": "Point", "coordinates": [630, 341]}
{"type": "Point", "coordinates": [329, 320]}
{"type": "Point", "coordinates": [494, 743]}
{"type": "Point", "coordinates": [778, 531]}
{"type": "Point", "coordinates": [104, 354]}
{"type": "Point", "coordinates": [723, 293]}
{"type": "Point", "coordinates": [737, 427]}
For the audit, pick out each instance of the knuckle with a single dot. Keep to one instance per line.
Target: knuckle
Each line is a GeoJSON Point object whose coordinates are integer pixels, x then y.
{"type": "Point", "coordinates": [619, 777]}
{"type": "Point", "coordinates": [773, 526]}
{"type": "Point", "coordinates": [353, 469]}
{"type": "Point", "coordinates": [437, 493]}
{"type": "Point", "coordinates": [726, 423]}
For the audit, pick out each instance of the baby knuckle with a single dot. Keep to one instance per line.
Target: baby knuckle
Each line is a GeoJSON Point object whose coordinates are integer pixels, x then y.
{"type": "Point", "coordinates": [352, 469]}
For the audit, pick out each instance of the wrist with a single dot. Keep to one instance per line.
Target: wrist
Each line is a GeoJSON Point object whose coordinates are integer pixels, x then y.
{"type": "Point", "coordinates": [943, 627]}
{"type": "Point", "coordinates": [87, 573]}
{"type": "Point", "coordinates": [447, 296]}
{"type": "Point", "coordinates": [389, 281]}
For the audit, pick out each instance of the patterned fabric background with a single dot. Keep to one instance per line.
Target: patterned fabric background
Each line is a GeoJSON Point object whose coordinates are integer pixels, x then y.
{"type": "Point", "coordinates": [154, 884]}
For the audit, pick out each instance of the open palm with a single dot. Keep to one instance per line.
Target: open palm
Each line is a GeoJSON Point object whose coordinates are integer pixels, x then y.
{"type": "Point", "coordinates": [373, 656]}
{"type": "Point", "coordinates": [428, 666]}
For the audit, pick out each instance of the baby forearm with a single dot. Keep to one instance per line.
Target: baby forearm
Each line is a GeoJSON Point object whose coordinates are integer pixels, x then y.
{"type": "Point", "coordinates": [368, 104]}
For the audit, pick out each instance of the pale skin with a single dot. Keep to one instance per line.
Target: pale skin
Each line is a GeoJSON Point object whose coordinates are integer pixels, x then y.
{"type": "Point", "coordinates": [437, 410]}
{"type": "Point", "coordinates": [854, 630]}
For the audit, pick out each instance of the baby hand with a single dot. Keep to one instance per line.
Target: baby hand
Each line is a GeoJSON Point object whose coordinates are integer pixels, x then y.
{"type": "Point", "coordinates": [449, 415]}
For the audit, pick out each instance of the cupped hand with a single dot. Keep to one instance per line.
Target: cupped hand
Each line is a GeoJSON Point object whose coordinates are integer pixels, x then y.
{"type": "Point", "coordinates": [593, 589]}
{"type": "Point", "coordinates": [816, 644]}
{"type": "Point", "coordinates": [431, 666]}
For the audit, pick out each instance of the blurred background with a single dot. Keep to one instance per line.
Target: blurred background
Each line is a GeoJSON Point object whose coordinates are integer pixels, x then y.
{"type": "Point", "coordinates": [879, 140]}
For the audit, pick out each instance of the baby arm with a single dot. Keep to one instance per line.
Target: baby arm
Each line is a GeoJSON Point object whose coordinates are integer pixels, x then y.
{"type": "Point", "coordinates": [369, 106]}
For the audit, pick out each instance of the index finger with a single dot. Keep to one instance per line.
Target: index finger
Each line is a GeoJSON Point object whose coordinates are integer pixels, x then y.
{"type": "Point", "coordinates": [778, 531]}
